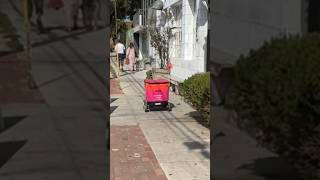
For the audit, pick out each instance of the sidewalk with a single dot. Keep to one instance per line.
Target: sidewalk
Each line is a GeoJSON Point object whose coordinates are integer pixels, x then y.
{"type": "Point", "coordinates": [64, 138]}
{"type": "Point", "coordinates": [14, 82]}
{"type": "Point", "coordinates": [237, 156]}
{"type": "Point", "coordinates": [180, 144]}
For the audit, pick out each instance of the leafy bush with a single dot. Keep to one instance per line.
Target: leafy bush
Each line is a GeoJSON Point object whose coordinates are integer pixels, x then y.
{"type": "Point", "coordinates": [277, 94]}
{"type": "Point", "coordinates": [196, 91]}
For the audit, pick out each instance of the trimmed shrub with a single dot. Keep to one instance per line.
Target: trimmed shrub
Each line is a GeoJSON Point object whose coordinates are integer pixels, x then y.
{"type": "Point", "coordinates": [277, 94]}
{"type": "Point", "coordinates": [196, 91]}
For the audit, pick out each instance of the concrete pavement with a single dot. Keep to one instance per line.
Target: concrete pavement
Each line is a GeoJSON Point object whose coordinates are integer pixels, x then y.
{"type": "Point", "coordinates": [180, 144]}
{"type": "Point", "coordinates": [65, 137]}
{"type": "Point", "coordinates": [237, 156]}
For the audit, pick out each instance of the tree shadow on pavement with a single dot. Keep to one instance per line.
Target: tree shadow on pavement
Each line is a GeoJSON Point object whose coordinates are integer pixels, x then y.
{"type": "Point", "coordinates": [198, 117]}
{"type": "Point", "coordinates": [11, 121]}
{"type": "Point", "coordinates": [272, 168]}
{"type": "Point", "coordinates": [54, 80]}
{"type": "Point", "coordinates": [113, 99]}
{"type": "Point", "coordinates": [194, 145]}
{"type": "Point", "coordinates": [9, 149]}
{"type": "Point", "coordinates": [124, 73]}
{"type": "Point", "coordinates": [53, 28]}
{"type": "Point", "coordinates": [113, 108]}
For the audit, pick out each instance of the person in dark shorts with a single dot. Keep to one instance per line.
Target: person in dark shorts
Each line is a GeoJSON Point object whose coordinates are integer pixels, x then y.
{"type": "Point", "coordinates": [120, 49]}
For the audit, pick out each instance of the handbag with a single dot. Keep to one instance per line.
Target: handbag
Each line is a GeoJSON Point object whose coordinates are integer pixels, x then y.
{"type": "Point", "coordinates": [55, 4]}
{"type": "Point", "coordinates": [127, 59]}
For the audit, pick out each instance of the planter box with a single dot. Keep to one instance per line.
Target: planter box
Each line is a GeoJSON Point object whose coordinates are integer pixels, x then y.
{"type": "Point", "coordinates": [158, 73]}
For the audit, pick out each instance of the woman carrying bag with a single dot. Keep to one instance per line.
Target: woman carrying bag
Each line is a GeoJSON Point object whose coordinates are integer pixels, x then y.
{"type": "Point", "coordinates": [131, 57]}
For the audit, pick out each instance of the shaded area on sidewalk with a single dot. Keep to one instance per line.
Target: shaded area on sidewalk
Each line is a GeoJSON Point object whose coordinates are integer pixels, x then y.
{"type": "Point", "coordinates": [237, 155]}
{"type": "Point", "coordinates": [132, 156]}
{"type": "Point", "coordinates": [14, 82]}
{"type": "Point", "coordinates": [266, 167]}
{"type": "Point", "coordinates": [11, 121]}
{"type": "Point", "coordinates": [9, 149]}
{"type": "Point", "coordinates": [66, 135]}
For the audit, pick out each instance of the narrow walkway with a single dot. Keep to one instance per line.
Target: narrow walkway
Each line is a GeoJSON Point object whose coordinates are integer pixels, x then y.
{"type": "Point", "coordinates": [64, 138]}
{"type": "Point", "coordinates": [180, 144]}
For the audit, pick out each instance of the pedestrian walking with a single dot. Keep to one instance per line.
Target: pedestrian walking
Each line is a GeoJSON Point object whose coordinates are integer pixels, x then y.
{"type": "Point", "coordinates": [120, 50]}
{"type": "Point", "coordinates": [90, 10]}
{"type": "Point", "coordinates": [131, 55]}
{"type": "Point", "coordinates": [37, 6]}
{"type": "Point", "coordinates": [71, 10]}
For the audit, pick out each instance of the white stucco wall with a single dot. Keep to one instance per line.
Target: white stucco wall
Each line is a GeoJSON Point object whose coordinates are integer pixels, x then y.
{"type": "Point", "coordinates": [200, 41]}
{"type": "Point", "coordinates": [193, 44]}
{"type": "Point", "coordinates": [239, 25]}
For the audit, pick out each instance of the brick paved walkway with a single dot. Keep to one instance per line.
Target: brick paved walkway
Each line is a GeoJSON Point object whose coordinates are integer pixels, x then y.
{"type": "Point", "coordinates": [131, 156]}
{"type": "Point", "coordinates": [14, 82]}
{"type": "Point", "coordinates": [115, 87]}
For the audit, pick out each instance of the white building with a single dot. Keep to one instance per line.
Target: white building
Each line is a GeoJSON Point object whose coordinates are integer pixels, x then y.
{"type": "Point", "coordinates": [141, 36]}
{"type": "Point", "coordinates": [188, 43]}
{"type": "Point", "coordinates": [241, 25]}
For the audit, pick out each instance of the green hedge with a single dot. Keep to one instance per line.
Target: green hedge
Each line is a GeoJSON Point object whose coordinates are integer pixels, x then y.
{"type": "Point", "coordinates": [196, 91]}
{"type": "Point", "coordinates": [277, 94]}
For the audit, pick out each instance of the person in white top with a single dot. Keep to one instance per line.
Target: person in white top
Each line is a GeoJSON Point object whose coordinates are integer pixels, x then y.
{"type": "Point", "coordinates": [120, 50]}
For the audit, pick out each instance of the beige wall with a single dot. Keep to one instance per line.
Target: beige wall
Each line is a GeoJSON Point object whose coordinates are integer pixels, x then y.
{"type": "Point", "coordinates": [239, 25]}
